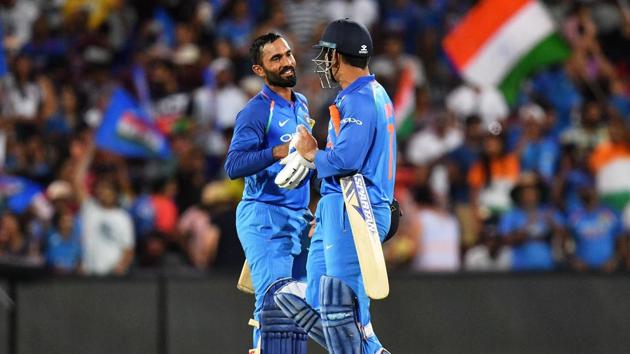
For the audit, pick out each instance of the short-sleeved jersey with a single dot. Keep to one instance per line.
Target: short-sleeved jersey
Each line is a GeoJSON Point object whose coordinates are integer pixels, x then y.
{"type": "Point", "coordinates": [535, 252]}
{"type": "Point", "coordinates": [595, 232]}
{"type": "Point", "coordinates": [361, 138]}
{"type": "Point", "coordinates": [266, 121]}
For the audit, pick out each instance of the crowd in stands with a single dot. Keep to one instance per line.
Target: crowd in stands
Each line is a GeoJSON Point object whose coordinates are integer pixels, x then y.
{"type": "Point", "coordinates": [543, 184]}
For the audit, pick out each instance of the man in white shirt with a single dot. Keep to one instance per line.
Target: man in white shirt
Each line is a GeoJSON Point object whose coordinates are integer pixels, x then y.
{"type": "Point", "coordinates": [107, 231]}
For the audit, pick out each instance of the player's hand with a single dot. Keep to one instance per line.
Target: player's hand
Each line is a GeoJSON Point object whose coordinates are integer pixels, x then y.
{"type": "Point", "coordinates": [306, 144]}
{"type": "Point", "coordinates": [280, 151]}
{"type": "Point", "coordinates": [295, 170]}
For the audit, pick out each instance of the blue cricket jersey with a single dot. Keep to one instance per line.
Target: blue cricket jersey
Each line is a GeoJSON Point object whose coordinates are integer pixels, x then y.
{"type": "Point", "coordinates": [361, 138]}
{"type": "Point", "coordinates": [535, 253]}
{"type": "Point", "coordinates": [595, 232]}
{"type": "Point", "coordinates": [266, 121]}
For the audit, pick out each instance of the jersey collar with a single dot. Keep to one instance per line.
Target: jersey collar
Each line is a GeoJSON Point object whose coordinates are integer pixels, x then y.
{"type": "Point", "coordinates": [280, 101]}
{"type": "Point", "coordinates": [355, 85]}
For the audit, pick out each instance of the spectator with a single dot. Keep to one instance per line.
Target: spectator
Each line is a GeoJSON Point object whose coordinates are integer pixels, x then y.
{"type": "Point", "coordinates": [63, 252]}
{"type": "Point", "coordinates": [590, 132]}
{"type": "Point", "coordinates": [238, 26]}
{"type": "Point", "coordinates": [27, 98]}
{"type": "Point", "coordinates": [597, 232]}
{"type": "Point", "coordinates": [442, 136]}
{"type": "Point", "coordinates": [538, 153]}
{"type": "Point", "coordinates": [459, 163]}
{"type": "Point", "coordinates": [276, 23]}
{"type": "Point", "coordinates": [488, 254]}
{"type": "Point", "coordinates": [306, 19]}
{"type": "Point", "coordinates": [44, 48]}
{"type": "Point", "coordinates": [200, 236]}
{"type": "Point", "coordinates": [363, 11]}
{"type": "Point", "coordinates": [492, 177]}
{"type": "Point", "coordinates": [229, 97]}
{"type": "Point", "coordinates": [14, 242]}
{"type": "Point", "coordinates": [573, 173]}
{"type": "Point", "coordinates": [486, 102]}
{"type": "Point", "coordinates": [107, 229]}
{"type": "Point", "coordinates": [394, 68]}
{"type": "Point", "coordinates": [404, 17]}
{"type": "Point", "coordinates": [531, 228]}
{"type": "Point", "coordinates": [170, 104]}
{"type": "Point", "coordinates": [438, 238]}
{"type": "Point", "coordinates": [61, 124]}
{"type": "Point", "coordinates": [19, 17]}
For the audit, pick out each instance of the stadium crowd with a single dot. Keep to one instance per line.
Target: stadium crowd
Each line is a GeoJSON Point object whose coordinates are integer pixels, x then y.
{"type": "Point", "coordinates": [542, 184]}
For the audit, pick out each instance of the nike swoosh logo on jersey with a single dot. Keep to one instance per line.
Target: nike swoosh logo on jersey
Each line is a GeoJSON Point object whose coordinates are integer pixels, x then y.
{"type": "Point", "coordinates": [283, 123]}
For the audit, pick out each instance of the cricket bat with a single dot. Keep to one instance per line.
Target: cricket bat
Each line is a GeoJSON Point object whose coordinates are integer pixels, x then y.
{"type": "Point", "coordinates": [365, 235]}
{"type": "Point", "coordinates": [245, 280]}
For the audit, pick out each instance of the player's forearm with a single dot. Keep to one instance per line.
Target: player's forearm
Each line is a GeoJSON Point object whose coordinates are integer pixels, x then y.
{"type": "Point", "coordinates": [332, 163]}
{"type": "Point", "coordinates": [246, 163]}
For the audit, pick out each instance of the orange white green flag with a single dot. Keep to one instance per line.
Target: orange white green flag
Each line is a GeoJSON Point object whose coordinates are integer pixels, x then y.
{"type": "Point", "coordinates": [405, 102]}
{"type": "Point", "coordinates": [501, 42]}
{"type": "Point", "coordinates": [611, 164]}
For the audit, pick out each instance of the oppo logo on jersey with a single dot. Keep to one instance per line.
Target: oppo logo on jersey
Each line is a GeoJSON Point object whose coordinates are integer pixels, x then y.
{"type": "Point", "coordinates": [286, 137]}
{"type": "Point", "coordinates": [351, 120]}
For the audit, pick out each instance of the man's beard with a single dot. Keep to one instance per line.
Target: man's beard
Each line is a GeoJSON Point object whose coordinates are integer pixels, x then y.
{"type": "Point", "coordinates": [275, 79]}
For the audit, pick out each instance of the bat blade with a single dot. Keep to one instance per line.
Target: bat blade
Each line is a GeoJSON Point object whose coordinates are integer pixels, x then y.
{"type": "Point", "coordinates": [365, 235]}
{"type": "Point", "coordinates": [245, 280]}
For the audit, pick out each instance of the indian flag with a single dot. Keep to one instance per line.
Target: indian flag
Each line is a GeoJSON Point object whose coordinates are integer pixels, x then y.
{"type": "Point", "coordinates": [611, 164]}
{"type": "Point", "coordinates": [405, 102]}
{"type": "Point", "coordinates": [500, 42]}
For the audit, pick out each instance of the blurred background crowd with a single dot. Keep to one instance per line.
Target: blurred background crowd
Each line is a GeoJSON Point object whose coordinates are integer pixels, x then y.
{"type": "Point", "coordinates": [540, 184]}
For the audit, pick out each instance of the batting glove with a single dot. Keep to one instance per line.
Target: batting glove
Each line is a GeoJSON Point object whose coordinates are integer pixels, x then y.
{"type": "Point", "coordinates": [295, 170]}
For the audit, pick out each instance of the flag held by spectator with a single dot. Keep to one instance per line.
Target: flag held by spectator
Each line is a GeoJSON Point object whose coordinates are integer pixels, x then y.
{"type": "Point", "coordinates": [128, 131]}
{"type": "Point", "coordinates": [611, 164]}
{"type": "Point", "coordinates": [405, 102]}
{"type": "Point", "coordinates": [17, 193]}
{"type": "Point", "coordinates": [500, 42]}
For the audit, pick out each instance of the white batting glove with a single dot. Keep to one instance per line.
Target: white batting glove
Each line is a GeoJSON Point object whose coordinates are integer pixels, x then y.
{"type": "Point", "coordinates": [295, 170]}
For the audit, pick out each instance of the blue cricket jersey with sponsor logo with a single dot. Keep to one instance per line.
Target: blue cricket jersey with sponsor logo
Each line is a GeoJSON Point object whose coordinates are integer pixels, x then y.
{"type": "Point", "coordinates": [266, 121]}
{"type": "Point", "coordinates": [596, 233]}
{"type": "Point", "coordinates": [361, 138]}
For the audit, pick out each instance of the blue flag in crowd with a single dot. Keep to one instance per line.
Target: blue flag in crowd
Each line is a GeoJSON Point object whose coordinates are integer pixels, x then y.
{"type": "Point", "coordinates": [142, 87]}
{"type": "Point", "coordinates": [167, 26]}
{"type": "Point", "coordinates": [127, 130]}
{"type": "Point", "coordinates": [17, 193]}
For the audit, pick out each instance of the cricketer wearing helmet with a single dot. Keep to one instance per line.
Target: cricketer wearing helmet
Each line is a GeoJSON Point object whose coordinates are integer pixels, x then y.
{"type": "Point", "coordinates": [361, 139]}
{"type": "Point", "coordinates": [271, 221]}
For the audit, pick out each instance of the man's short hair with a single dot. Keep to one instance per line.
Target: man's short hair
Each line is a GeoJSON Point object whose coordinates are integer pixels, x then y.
{"type": "Point", "coordinates": [359, 62]}
{"type": "Point", "coordinates": [255, 51]}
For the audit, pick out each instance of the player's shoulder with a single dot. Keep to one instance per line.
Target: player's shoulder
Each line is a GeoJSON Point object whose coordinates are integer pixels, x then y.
{"type": "Point", "coordinates": [301, 98]}
{"type": "Point", "coordinates": [256, 103]}
{"type": "Point", "coordinates": [254, 108]}
{"type": "Point", "coordinates": [358, 101]}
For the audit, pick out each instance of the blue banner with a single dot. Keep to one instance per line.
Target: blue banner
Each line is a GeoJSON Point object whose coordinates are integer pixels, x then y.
{"type": "Point", "coordinates": [167, 26]}
{"type": "Point", "coordinates": [127, 130]}
{"type": "Point", "coordinates": [142, 88]}
{"type": "Point", "coordinates": [17, 193]}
